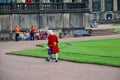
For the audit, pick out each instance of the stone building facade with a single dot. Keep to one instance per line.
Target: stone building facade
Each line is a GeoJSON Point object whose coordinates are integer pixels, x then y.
{"type": "Point", "coordinates": [104, 10]}
{"type": "Point", "coordinates": [100, 11]}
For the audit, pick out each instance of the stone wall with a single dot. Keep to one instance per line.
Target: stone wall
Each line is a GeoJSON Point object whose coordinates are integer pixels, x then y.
{"type": "Point", "coordinates": [56, 22]}
{"type": "Point", "coordinates": [41, 21]}
{"type": "Point", "coordinates": [4, 22]}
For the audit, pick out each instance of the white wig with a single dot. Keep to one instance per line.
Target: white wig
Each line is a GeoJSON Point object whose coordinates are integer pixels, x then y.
{"type": "Point", "coordinates": [50, 32]}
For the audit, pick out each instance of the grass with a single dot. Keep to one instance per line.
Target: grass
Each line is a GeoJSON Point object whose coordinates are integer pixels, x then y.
{"type": "Point", "coordinates": [116, 24]}
{"type": "Point", "coordinates": [117, 30]}
{"type": "Point", "coordinates": [103, 51]}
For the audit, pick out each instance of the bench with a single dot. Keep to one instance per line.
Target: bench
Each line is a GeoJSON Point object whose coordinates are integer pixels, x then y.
{"type": "Point", "coordinates": [82, 32]}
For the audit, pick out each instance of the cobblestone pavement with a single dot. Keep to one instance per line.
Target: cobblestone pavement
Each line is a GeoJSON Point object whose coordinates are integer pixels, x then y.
{"type": "Point", "coordinates": [28, 68]}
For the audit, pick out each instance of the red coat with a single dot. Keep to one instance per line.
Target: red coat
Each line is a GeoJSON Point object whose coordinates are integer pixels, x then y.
{"type": "Point", "coordinates": [52, 43]}
{"type": "Point", "coordinates": [32, 30]}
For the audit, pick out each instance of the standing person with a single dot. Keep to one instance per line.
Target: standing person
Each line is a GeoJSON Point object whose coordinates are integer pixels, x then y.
{"type": "Point", "coordinates": [28, 1]}
{"type": "Point", "coordinates": [28, 5]}
{"type": "Point", "coordinates": [53, 44]}
{"type": "Point", "coordinates": [16, 30]}
{"type": "Point", "coordinates": [32, 30]}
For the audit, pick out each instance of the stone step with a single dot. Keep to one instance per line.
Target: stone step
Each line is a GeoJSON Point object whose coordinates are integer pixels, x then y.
{"type": "Point", "coordinates": [102, 32]}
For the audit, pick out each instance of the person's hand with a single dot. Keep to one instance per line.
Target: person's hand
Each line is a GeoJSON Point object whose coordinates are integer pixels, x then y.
{"type": "Point", "coordinates": [54, 43]}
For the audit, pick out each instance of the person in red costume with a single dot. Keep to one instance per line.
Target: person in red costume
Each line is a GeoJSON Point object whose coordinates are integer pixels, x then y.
{"type": "Point", "coordinates": [28, 1]}
{"type": "Point", "coordinates": [53, 44]}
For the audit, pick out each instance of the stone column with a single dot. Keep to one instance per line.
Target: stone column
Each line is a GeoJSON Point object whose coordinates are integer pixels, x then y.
{"type": "Point", "coordinates": [11, 23]}
{"type": "Point", "coordinates": [46, 1]}
{"type": "Point", "coordinates": [90, 5]}
{"type": "Point", "coordinates": [102, 5]}
{"type": "Point", "coordinates": [115, 5]}
{"type": "Point", "coordinates": [67, 1]}
{"type": "Point", "coordinates": [86, 21]}
{"type": "Point", "coordinates": [0, 23]}
{"type": "Point", "coordinates": [66, 20]}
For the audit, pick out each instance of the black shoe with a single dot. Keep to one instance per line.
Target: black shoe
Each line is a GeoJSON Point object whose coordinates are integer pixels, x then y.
{"type": "Point", "coordinates": [56, 60]}
{"type": "Point", "coordinates": [47, 59]}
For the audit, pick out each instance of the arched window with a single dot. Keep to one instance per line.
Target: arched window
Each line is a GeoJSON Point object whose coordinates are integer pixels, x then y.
{"type": "Point", "coordinates": [109, 16]}
{"type": "Point", "coordinates": [96, 5]}
{"type": "Point", "coordinates": [108, 5]}
{"type": "Point", "coordinates": [118, 5]}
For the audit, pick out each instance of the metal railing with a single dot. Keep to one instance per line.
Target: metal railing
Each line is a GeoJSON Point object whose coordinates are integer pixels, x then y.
{"type": "Point", "coordinates": [7, 8]}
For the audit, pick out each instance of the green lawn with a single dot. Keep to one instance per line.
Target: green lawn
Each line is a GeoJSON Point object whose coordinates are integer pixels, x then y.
{"type": "Point", "coordinates": [116, 24]}
{"type": "Point", "coordinates": [117, 30]}
{"type": "Point", "coordinates": [103, 51]}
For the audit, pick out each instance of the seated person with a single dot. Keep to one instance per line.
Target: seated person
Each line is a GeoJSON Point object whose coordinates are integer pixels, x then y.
{"type": "Point", "coordinates": [27, 36]}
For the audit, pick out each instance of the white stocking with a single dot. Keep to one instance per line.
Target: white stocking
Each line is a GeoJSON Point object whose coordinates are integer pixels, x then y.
{"type": "Point", "coordinates": [56, 56]}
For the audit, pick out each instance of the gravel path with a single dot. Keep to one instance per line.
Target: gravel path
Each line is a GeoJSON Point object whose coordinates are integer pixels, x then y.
{"type": "Point", "coordinates": [28, 68]}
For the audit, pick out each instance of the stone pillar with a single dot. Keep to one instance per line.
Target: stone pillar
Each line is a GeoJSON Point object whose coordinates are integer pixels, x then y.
{"type": "Point", "coordinates": [11, 23]}
{"type": "Point", "coordinates": [66, 21]}
{"type": "Point", "coordinates": [67, 1]}
{"type": "Point", "coordinates": [0, 24]}
{"type": "Point", "coordinates": [90, 5]}
{"type": "Point", "coordinates": [102, 5]}
{"type": "Point", "coordinates": [20, 1]}
{"type": "Point", "coordinates": [46, 1]}
{"type": "Point", "coordinates": [86, 21]}
{"type": "Point", "coordinates": [115, 5]}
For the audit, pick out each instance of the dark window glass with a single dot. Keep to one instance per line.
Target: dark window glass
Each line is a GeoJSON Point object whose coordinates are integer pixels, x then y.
{"type": "Point", "coordinates": [85, 1]}
{"type": "Point", "coordinates": [118, 1]}
{"type": "Point", "coordinates": [96, 5]}
{"type": "Point", "coordinates": [56, 1]}
{"type": "Point", "coordinates": [73, 0]}
{"type": "Point", "coordinates": [4, 1]}
{"type": "Point", "coordinates": [8, 1]}
{"type": "Point", "coordinates": [109, 16]}
{"type": "Point", "coordinates": [1, 1]}
{"type": "Point", "coordinates": [108, 5]}
{"type": "Point", "coordinates": [34, 1]}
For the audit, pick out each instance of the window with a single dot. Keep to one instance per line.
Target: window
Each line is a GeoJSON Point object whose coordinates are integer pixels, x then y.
{"type": "Point", "coordinates": [3, 1]}
{"type": "Point", "coordinates": [108, 5]}
{"type": "Point", "coordinates": [118, 5]}
{"type": "Point", "coordinates": [75, 1]}
{"type": "Point", "coordinates": [86, 1]}
{"type": "Point", "coordinates": [8, 1]}
{"type": "Point", "coordinates": [34, 1]}
{"type": "Point", "coordinates": [96, 5]}
{"type": "Point", "coordinates": [56, 1]}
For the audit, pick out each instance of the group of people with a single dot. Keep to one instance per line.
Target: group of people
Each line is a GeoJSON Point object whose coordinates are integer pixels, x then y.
{"type": "Point", "coordinates": [27, 35]}
{"type": "Point", "coordinates": [41, 35]}
{"type": "Point", "coordinates": [52, 42]}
